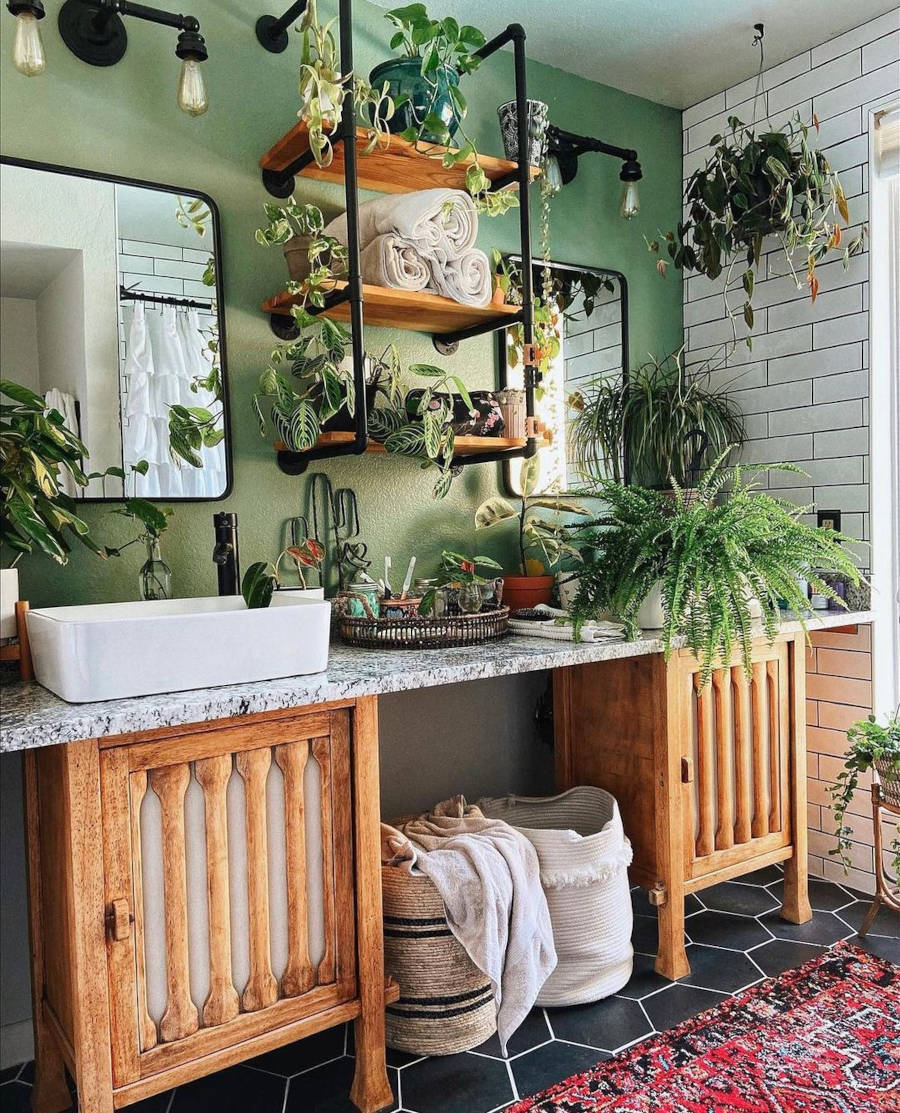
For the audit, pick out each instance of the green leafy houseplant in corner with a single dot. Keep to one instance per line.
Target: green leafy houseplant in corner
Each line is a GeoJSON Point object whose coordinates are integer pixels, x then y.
{"type": "Point", "coordinates": [38, 454]}
{"type": "Point", "coordinates": [547, 541]}
{"type": "Point", "coordinates": [755, 184]}
{"type": "Point", "coordinates": [717, 555]}
{"type": "Point", "coordinates": [872, 746]}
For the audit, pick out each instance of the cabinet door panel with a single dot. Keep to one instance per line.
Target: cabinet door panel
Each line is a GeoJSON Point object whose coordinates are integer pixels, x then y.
{"type": "Point", "coordinates": [233, 851]}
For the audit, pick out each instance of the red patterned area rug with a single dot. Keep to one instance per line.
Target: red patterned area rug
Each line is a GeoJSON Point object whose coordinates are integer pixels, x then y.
{"type": "Point", "coordinates": [824, 1038]}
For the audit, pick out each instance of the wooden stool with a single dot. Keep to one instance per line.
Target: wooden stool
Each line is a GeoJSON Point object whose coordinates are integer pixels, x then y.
{"type": "Point", "coordinates": [885, 798]}
{"type": "Point", "coordinates": [20, 650]}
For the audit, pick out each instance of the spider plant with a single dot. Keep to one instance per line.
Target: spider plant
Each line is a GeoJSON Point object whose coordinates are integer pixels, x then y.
{"type": "Point", "coordinates": [713, 552]}
{"type": "Point", "coordinates": [596, 433]}
{"type": "Point", "coordinates": [670, 418]}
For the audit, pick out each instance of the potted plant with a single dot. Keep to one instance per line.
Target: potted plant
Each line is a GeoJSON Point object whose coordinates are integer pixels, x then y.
{"type": "Point", "coordinates": [460, 574]}
{"type": "Point", "coordinates": [154, 576]}
{"type": "Point", "coordinates": [422, 87]}
{"type": "Point", "coordinates": [322, 89]}
{"type": "Point", "coordinates": [420, 425]}
{"type": "Point", "coordinates": [873, 749]}
{"type": "Point", "coordinates": [757, 184]}
{"type": "Point", "coordinates": [261, 580]}
{"type": "Point", "coordinates": [717, 557]}
{"type": "Point", "coordinates": [536, 576]}
{"type": "Point", "coordinates": [658, 419]}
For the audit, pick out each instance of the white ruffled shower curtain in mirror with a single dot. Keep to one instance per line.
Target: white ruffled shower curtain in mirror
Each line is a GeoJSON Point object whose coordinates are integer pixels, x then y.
{"type": "Point", "coordinates": [165, 351]}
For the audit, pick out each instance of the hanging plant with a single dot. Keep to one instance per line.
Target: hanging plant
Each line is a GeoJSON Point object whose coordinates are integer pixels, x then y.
{"type": "Point", "coordinates": [323, 89]}
{"type": "Point", "coordinates": [754, 185]}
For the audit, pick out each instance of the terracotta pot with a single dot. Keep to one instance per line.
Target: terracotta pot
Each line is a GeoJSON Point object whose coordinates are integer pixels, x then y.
{"type": "Point", "coordinates": [521, 592]}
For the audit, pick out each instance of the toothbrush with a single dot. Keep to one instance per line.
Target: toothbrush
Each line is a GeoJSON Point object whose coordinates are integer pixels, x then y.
{"type": "Point", "coordinates": [387, 578]}
{"type": "Point", "coordinates": [408, 580]}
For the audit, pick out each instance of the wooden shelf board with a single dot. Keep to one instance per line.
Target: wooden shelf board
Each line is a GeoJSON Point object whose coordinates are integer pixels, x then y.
{"type": "Point", "coordinates": [397, 167]}
{"type": "Point", "coordinates": [463, 446]}
{"type": "Point", "coordinates": [402, 309]}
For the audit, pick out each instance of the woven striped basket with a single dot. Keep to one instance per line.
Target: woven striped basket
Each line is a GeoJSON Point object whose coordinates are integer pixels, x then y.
{"type": "Point", "coordinates": [584, 858]}
{"type": "Point", "coordinates": [446, 1004]}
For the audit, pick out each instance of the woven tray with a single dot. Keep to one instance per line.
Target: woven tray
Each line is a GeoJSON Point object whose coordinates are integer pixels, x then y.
{"type": "Point", "coordinates": [422, 632]}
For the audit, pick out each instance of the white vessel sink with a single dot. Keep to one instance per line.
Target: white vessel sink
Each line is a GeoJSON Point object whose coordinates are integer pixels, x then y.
{"type": "Point", "coordinates": [112, 650]}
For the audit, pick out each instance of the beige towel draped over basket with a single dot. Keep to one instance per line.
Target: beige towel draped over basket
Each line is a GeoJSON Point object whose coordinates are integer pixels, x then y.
{"type": "Point", "coordinates": [584, 857]}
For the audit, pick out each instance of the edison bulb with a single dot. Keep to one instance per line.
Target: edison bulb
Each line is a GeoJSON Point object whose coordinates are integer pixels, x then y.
{"type": "Point", "coordinates": [630, 204]}
{"type": "Point", "coordinates": [28, 48]}
{"type": "Point", "coordinates": [192, 95]}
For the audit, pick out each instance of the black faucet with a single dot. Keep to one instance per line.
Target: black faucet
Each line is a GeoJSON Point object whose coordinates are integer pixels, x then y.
{"type": "Point", "coordinates": [225, 554]}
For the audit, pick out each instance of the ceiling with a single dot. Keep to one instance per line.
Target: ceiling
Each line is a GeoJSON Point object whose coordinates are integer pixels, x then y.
{"type": "Point", "coordinates": [675, 52]}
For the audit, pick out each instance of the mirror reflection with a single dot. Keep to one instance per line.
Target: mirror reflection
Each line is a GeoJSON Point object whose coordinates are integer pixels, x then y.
{"type": "Point", "coordinates": [581, 339]}
{"type": "Point", "coordinates": [111, 311]}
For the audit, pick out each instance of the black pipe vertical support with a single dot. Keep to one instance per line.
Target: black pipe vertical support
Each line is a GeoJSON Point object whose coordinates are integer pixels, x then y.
{"type": "Point", "coordinates": [351, 196]}
{"type": "Point", "coordinates": [517, 33]}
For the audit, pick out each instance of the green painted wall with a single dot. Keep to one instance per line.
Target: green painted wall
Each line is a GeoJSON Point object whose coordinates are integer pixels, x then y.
{"type": "Point", "coordinates": [124, 120]}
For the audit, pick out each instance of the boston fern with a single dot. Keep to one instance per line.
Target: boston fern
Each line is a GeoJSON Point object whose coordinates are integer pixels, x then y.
{"type": "Point", "coordinates": [712, 552]}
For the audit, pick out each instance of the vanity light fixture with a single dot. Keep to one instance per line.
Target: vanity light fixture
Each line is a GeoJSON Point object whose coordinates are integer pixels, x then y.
{"type": "Point", "coordinates": [28, 48]}
{"type": "Point", "coordinates": [94, 31]}
{"type": "Point", "coordinates": [563, 151]}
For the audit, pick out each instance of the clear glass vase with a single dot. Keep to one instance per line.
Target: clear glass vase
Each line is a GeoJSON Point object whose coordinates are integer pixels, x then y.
{"type": "Point", "coordinates": [155, 576]}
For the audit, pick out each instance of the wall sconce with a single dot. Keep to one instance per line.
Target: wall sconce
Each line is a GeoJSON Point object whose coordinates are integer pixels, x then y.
{"type": "Point", "coordinates": [28, 49]}
{"type": "Point", "coordinates": [564, 148]}
{"type": "Point", "coordinates": [93, 30]}
{"type": "Point", "coordinates": [272, 31]}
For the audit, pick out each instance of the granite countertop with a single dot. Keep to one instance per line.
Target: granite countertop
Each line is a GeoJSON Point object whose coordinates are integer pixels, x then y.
{"type": "Point", "coordinates": [32, 716]}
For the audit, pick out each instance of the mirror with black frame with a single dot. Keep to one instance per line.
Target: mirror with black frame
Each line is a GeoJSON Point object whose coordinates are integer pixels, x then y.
{"type": "Point", "coordinates": [581, 336]}
{"type": "Point", "coordinates": [111, 299]}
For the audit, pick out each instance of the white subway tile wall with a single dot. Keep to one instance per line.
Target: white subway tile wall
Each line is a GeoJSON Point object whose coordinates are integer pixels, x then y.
{"type": "Point", "coordinates": [804, 386]}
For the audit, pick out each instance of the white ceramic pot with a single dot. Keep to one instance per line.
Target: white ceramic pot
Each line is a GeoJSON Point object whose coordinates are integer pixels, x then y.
{"type": "Point", "coordinates": [303, 592]}
{"type": "Point", "coordinates": [650, 614]}
{"type": "Point", "coordinates": [9, 596]}
{"type": "Point", "coordinates": [567, 588]}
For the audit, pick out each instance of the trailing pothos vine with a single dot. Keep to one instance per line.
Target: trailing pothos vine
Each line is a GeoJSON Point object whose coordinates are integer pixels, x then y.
{"type": "Point", "coordinates": [757, 184]}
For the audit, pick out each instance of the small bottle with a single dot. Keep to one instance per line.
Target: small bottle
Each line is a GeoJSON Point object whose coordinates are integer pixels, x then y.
{"type": "Point", "coordinates": [155, 576]}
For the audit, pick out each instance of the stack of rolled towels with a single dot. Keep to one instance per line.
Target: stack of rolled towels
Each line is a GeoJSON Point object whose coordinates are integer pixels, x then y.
{"type": "Point", "coordinates": [422, 241]}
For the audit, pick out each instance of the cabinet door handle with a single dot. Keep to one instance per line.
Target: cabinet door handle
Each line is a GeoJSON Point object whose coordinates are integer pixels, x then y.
{"type": "Point", "coordinates": [118, 920]}
{"type": "Point", "coordinates": [687, 771]}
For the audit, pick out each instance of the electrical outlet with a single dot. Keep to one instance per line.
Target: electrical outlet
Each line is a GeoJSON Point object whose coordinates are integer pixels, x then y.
{"type": "Point", "coordinates": [829, 519]}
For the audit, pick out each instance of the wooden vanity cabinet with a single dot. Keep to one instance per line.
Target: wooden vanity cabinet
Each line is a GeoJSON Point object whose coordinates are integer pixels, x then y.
{"type": "Point", "coordinates": [710, 779]}
{"type": "Point", "coordinates": [202, 895]}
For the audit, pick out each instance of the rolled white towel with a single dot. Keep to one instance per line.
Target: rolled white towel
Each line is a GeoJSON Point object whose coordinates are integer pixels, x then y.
{"type": "Point", "coordinates": [392, 261]}
{"type": "Point", "coordinates": [466, 278]}
{"type": "Point", "coordinates": [430, 218]}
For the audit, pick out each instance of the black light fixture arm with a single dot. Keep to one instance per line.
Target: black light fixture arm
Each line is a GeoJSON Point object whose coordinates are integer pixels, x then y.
{"type": "Point", "coordinates": [569, 142]}
{"type": "Point", "coordinates": [271, 31]}
{"type": "Point", "coordinates": [94, 32]}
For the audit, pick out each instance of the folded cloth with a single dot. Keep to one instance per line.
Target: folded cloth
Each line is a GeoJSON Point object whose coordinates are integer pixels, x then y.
{"type": "Point", "coordinates": [392, 261]}
{"type": "Point", "coordinates": [464, 277]}
{"type": "Point", "coordinates": [559, 625]}
{"type": "Point", "coordinates": [430, 218]}
{"type": "Point", "coordinates": [488, 877]}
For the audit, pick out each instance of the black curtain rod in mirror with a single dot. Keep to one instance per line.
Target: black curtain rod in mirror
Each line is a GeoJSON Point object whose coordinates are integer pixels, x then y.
{"type": "Point", "coordinates": [161, 299]}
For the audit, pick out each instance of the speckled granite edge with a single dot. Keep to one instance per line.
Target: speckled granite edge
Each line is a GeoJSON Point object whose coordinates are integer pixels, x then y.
{"type": "Point", "coordinates": [32, 716]}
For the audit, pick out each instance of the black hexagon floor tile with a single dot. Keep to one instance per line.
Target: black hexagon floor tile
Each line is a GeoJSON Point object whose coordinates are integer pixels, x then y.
{"type": "Point", "coordinates": [824, 896]}
{"type": "Point", "coordinates": [300, 1056]}
{"type": "Point", "coordinates": [394, 1057]}
{"type": "Point", "coordinates": [714, 968]}
{"type": "Point", "coordinates": [15, 1097]}
{"type": "Point", "coordinates": [644, 979]}
{"type": "Point", "coordinates": [881, 945]}
{"type": "Point", "coordinates": [607, 1025]}
{"type": "Point", "coordinates": [10, 1074]}
{"type": "Point", "coordinates": [236, 1090]}
{"type": "Point", "coordinates": [766, 876]}
{"type": "Point", "coordinates": [779, 955]}
{"type": "Point", "coordinates": [678, 1002]}
{"type": "Point", "coordinates": [824, 928]}
{"type": "Point", "coordinates": [532, 1032]}
{"type": "Point", "coordinates": [26, 1074]}
{"type": "Point", "coordinates": [550, 1064]}
{"type": "Point", "coordinates": [723, 929]}
{"type": "Point", "coordinates": [743, 900]}
{"type": "Point", "coordinates": [326, 1089]}
{"type": "Point", "coordinates": [886, 923]}
{"type": "Point", "coordinates": [451, 1084]}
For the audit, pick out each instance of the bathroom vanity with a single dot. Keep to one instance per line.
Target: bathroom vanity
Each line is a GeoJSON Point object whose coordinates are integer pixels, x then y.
{"type": "Point", "coordinates": [204, 867]}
